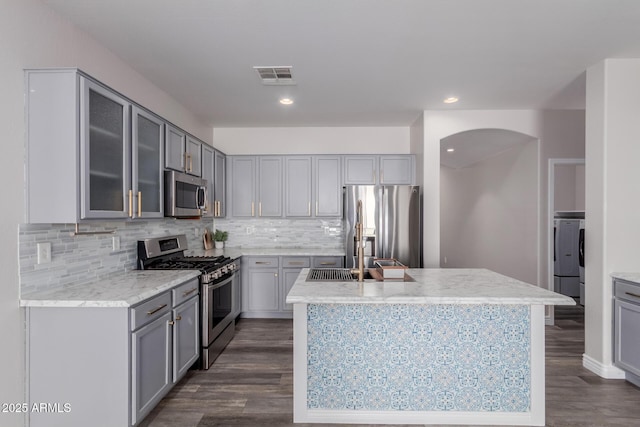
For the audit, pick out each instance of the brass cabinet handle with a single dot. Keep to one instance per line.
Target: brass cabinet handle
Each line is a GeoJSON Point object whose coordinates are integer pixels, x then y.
{"type": "Point", "coordinates": [139, 204]}
{"type": "Point", "coordinates": [262, 262]}
{"type": "Point", "coordinates": [381, 177]}
{"type": "Point", "coordinates": [309, 208]}
{"type": "Point", "coordinates": [190, 163]}
{"type": "Point", "coordinates": [130, 203]}
{"type": "Point", "coordinates": [178, 317]}
{"type": "Point", "coordinates": [185, 155]}
{"type": "Point", "coordinates": [296, 263]}
{"type": "Point", "coordinates": [185, 293]}
{"type": "Point", "coordinates": [632, 294]}
{"type": "Point", "coordinates": [259, 208]}
{"type": "Point", "coordinates": [171, 322]}
{"type": "Point", "coordinates": [155, 310]}
{"type": "Point", "coordinates": [328, 263]}
{"type": "Point", "coordinates": [275, 274]}
{"type": "Point", "coordinates": [316, 208]}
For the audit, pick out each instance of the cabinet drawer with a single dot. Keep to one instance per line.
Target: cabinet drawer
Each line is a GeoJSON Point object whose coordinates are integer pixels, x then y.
{"type": "Point", "coordinates": [185, 291]}
{"type": "Point", "coordinates": [260, 262]}
{"type": "Point", "coordinates": [150, 310]}
{"type": "Point", "coordinates": [295, 262]}
{"type": "Point", "coordinates": [328, 261]}
{"type": "Point", "coordinates": [627, 291]}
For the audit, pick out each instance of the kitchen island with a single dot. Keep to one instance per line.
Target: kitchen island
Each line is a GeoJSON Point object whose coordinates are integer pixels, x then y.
{"type": "Point", "coordinates": [453, 346]}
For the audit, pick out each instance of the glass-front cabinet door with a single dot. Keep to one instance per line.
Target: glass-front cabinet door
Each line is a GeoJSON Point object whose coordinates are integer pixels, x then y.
{"type": "Point", "coordinates": [147, 161]}
{"type": "Point", "coordinates": [105, 151]}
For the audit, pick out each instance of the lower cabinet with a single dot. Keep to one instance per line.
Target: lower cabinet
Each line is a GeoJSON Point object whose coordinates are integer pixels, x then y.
{"type": "Point", "coordinates": [268, 280]}
{"type": "Point", "coordinates": [111, 365]}
{"type": "Point", "coordinates": [626, 312]}
{"type": "Point", "coordinates": [151, 376]}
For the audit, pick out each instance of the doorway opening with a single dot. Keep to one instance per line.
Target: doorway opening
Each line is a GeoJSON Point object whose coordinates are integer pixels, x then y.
{"type": "Point", "coordinates": [565, 227]}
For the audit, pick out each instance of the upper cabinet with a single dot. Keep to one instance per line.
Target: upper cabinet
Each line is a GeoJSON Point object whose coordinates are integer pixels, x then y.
{"type": "Point", "coordinates": [360, 170]}
{"type": "Point", "coordinates": [396, 170]}
{"type": "Point", "coordinates": [91, 153]}
{"type": "Point", "coordinates": [313, 186]}
{"type": "Point", "coordinates": [219, 185]}
{"type": "Point", "coordinates": [208, 174]}
{"type": "Point", "coordinates": [256, 186]}
{"type": "Point", "coordinates": [214, 171]}
{"type": "Point", "coordinates": [383, 170]}
{"type": "Point", "coordinates": [147, 173]}
{"type": "Point", "coordinates": [183, 152]}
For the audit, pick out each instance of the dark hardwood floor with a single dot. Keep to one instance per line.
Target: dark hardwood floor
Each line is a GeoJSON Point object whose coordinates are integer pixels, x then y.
{"type": "Point", "coordinates": [251, 383]}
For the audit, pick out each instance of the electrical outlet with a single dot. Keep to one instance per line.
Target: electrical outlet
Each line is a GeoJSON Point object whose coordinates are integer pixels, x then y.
{"type": "Point", "coordinates": [248, 230]}
{"type": "Point", "coordinates": [115, 240]}
{"type": "Point", "coordinates": [44, 252]}
{"type": "Point", "coordinates": [445, 260]}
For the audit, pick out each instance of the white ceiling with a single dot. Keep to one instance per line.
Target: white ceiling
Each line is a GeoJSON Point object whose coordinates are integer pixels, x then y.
{"type": "Point", "coordinates": [361, 62]}
{"type": "Point", "coordinates": [474, 146]}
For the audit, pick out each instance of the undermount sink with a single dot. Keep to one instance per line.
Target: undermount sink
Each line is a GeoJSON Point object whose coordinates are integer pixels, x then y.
{"type": "Point", "coordinates": [343, 275]}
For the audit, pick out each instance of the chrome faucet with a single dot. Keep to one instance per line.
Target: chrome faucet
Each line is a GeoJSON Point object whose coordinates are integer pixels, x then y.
{"type": "Point", "coordinates": [360, 270]}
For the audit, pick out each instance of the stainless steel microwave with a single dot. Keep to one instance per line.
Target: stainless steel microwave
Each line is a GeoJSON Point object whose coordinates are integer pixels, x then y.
{"type": "Point", "coordinates": [184, 195]}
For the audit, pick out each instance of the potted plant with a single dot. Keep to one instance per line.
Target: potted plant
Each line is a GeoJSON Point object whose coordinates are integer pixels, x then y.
{"type": "Point", "coordinates": [219, 237]}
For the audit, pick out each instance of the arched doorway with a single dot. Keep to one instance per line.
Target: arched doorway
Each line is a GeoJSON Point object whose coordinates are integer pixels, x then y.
{"type": "Point", "coordinates": [489, 204]}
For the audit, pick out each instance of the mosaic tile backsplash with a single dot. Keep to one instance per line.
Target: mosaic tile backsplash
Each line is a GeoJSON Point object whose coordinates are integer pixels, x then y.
{"type": "Point", "coordinates": [82, 259]}
{"type": "Point", "coordinates": [418, 357]}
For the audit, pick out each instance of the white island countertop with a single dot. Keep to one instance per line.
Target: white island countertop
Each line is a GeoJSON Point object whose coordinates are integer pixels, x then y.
{"type": "Point", "coordinates": [430, 286]}
{"type": "Point", "coordinates": [119, 290]}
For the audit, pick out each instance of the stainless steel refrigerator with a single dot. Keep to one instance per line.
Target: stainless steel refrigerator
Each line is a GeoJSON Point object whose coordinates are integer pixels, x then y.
{"type": "Point", "coordinates": [392, 223]}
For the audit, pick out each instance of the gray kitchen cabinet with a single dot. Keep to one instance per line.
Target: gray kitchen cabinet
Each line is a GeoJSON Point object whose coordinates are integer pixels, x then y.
{"type": "Point", "coordinates": [174, 148]}
{"type": "Point", "coordinates": [186, 336]}
{"type": "Point", "coordinates": [627, 329]}
{"type": "Point", "coordinates": [116, 362]}
{"type": "Point", "coordinates": [147, 172]}
{"type": "Point", "coordinates": [151, 366]}
{"type": "Point", "coordinates": [269, 186]}
{"type": "Point", "coordinates": [328, 262]}
{"type": "Point", "coordinates": [291, 268]}
{"type": "Point", "coordinates": [261, 288]}
{"type": "Point", "coordinates": [298, 186]}
{"type": "Point", "coordinates": [328, 186]}
{"type": "Point", "coordinates": [313, 186]}
{"type": "Point", "coordinates": [256, 186]}
{"type": "Point", "coordinates": [396, 170]}
{"type": "Point", "coordinates": [91, 153]}
{"type": "Point", "coordinates": [242, 175]}
{"type": "Point", "coordinates": [194, 156]}
{"type": "Point", "coordinates": [208, 173]}
{"type": "Point", "coordinates": [360, 170]}
{"type": "Point", "coordinates": [382, 169]}
{"type": "Point", "coordinates": [219, 185]}
{"type": "Point", "coordinates": [182, 151]}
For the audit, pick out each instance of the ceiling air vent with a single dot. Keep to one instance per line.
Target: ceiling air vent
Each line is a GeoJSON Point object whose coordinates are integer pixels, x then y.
{"type": "Point", "coordinates": [275, 75]}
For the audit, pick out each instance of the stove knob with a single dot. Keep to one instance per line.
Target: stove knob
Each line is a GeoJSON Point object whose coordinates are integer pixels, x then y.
{"type": "Point", "coordinates": [224, 269]}
{"type": "Point", "coordinates": [232, 267]}
{"type": "Point", "coordinates": [216, 274]}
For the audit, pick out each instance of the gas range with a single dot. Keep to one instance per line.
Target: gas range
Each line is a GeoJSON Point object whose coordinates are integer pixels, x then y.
{"type": "Point", "coordinates": [167, 253]}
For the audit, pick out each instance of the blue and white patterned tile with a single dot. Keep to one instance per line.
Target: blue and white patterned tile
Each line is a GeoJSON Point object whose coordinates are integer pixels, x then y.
{"type": "Point", "coordinates": [419, 357]}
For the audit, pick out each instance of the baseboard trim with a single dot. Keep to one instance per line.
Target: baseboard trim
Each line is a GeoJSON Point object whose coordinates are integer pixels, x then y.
{"type": "Point", "coordinates": [605, 371]}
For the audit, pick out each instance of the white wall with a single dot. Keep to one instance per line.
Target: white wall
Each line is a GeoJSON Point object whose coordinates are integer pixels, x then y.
{"type": "Point", "coordinates": [612, 202]}
{"type": "Point", "coordinates": [569, 188]}
{"type": "Point", "coordinates": [33, 36]}
{"type": "Point", "coordinates": [488, 217]}
{"type": "Point", "coordinates": [312, 140]}
{"type": "Point", "coordinates": [561, 135]}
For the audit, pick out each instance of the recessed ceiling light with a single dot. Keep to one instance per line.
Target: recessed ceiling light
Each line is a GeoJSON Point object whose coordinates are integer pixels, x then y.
{"type": "Point", "coordinates": [450, 100]}
{"type": "Point", "coordinates": [286, 101]}
{"type": "Point", "coordinates": [450, 150]}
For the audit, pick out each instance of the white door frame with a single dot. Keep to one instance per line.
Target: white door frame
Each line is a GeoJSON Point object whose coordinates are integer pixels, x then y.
{"type": "Point", "coordinates": [550, 212]}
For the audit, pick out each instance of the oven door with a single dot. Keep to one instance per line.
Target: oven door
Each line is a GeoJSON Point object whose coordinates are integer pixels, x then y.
{"type": "Point", "coordinates": [217, 309]}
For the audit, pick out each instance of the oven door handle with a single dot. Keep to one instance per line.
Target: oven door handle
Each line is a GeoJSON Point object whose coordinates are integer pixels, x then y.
{"type": "Point", "coordinates": [219, 285]}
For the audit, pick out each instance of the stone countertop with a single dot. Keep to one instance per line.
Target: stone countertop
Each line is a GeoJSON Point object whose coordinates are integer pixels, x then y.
{"type": "Point", "coordinates": [630, 277]}
{"type": "Point", "coordinates": [238, 252]}
{"type": "Point", "coordinates": [120, 290]}
{"type": "Point", "coordinates": [431, 286]}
